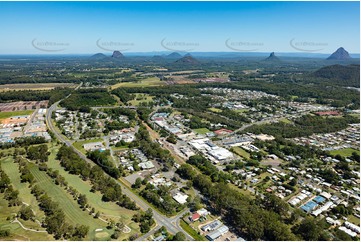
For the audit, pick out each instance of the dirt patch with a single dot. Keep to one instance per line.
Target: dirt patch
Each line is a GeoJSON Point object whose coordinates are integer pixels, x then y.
{"type": "Point", "coordinates": [272, 162]}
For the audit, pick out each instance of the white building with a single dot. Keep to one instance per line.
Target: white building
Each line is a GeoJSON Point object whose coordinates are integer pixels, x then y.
{"type": "Point", "coordinates": [180, 198]}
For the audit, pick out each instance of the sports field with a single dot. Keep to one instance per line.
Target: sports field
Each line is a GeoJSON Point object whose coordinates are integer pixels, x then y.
{"type": "Point", "coordinates": [12, 170]}
{"type": "Point", "coordinates": [17, 232]}
{"type": "Point", "coordinates": [74, 215]}
{"type": "Point", "coordinates": [202, 130]}
{"type": "Point", "coordinates": [4, 115]}
{"type": "Point", "coordinates": [108, 210]}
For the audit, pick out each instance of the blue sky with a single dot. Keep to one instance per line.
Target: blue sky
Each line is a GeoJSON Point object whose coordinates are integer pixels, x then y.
{"type": "Point", "coordinates": [75, 27]}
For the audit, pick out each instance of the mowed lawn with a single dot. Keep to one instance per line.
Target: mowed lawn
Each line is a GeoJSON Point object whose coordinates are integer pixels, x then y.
{"type": "Point", "coordinates": [141, 98]}
{"type": "Point", "coordinates": [202, 130]}
{"type": "Point", "coordinates": [150, 81]}
{"type": "Point", "coordinates": [74, 215]}
{"type": "Point", "coordinates": [344, 152]}
{"type": "Point", "coordinates": [16, 231]}
{"type": "Point", "coordinates": [215, 110]}
{"type": "Point", "coordinates": [12, 170]}
{"type": "Point", "coordinates": [241, 152]}
{"type": "Point", "coordinates": [94, 199]}
{"type": "Point", "coordinates": [4, 115]}
{"type": "Point", "coordinates": [108, 210]}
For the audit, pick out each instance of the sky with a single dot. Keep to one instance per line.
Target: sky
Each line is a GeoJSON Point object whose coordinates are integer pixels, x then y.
{"type": "Point", "coordinates": [92, 27]}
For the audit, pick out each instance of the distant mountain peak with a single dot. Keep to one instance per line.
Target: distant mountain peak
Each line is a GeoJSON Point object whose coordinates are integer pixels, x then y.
{"type": "Point", "coordinates": [117, 54]}
{"type": "Point", "coordinates": [98, 56]}
{"type": "Point", "coordinates": [272, 57]}
{"type": "Point", "coordinates": [188, 59]}
{"type": "Point", "coordinates": [174, 55]}
{"type": "Point", "coordinates": [339, 54]}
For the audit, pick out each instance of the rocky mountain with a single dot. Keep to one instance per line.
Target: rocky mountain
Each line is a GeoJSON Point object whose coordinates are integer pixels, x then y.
{"type": "Point", "coordinates": [272, 57]}
{"type": "Point", "coordinates": [339, 54]}
{"type": "Point", "coordinates": [117, 54]}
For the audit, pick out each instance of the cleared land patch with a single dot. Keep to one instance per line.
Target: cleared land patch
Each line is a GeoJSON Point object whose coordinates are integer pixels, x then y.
{"type": "Point", "coordinates": [151, 81]}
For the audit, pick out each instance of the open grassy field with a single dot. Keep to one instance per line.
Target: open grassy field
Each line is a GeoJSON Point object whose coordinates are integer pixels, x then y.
{"type": "Point", "coordinates": [202, 130]}
{"type": "Point", "coordinates": [286, 121]}
{"type": "Point", "coordinates": [245, 192]}
{"type": "Point", "coordinates": [353, 219]}
{"type": "Point", "coordinates": [191, 231]}
{"type": "Point", "coordinates": [241, 152]}
{"type": "Point", "coordinates": [34, 86]}
{"type": "Point", "coordinates": [108, 210]}
{"type": "Point", "coordinates": [215, 110]}
{"type": "Point", "coordinates": [4, 115]}
{"type": "Point", "coordinates": [12, 170]}
{"type": "Point", "coordinates": [73, 214]}
{"type": "Point", "coordinates": [150, 81]}
{"type": "Point", "coordinates": [344, 152]}
{"type": "Point", "coordinates": [16, 231]}
{"type": "Point", "coordinates": [120, 148]}
{"type": "Point", "coordinates": [242, 110]}
{"type": "Point", "coordinates": [79, 144]}
{"type": "Point", "coordinates": [141, 98]}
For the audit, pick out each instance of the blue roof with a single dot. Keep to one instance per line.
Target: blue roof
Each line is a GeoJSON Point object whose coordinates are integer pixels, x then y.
{"type": "Point", "coordinates": [319, 199]}
{"type": "Point", "coordinates": [309, 206]}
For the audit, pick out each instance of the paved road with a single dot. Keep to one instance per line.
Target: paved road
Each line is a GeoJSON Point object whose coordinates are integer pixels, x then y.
{"type": "Point", "coordinates": [171, 224]}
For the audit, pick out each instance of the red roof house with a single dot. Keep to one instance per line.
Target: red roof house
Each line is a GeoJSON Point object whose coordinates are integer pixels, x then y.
{"type": "Point", "coordinates": [194, 217]}
{"type": "Point", "coordinates": [223, 131]}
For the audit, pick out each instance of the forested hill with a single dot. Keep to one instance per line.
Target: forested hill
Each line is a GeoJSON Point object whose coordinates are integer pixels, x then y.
{"type": "Point", "coordinates": [348, 76]}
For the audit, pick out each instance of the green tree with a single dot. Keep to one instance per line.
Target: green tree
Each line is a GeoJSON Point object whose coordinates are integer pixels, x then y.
{"type": "Point", "coordinates": [179, 236]}
{"type": "Point", "coordinates": [26, 212]}
{"type": "Point", "coordinates": [308, 229]}
{"type": "Point", "coordinates": [137, 183]}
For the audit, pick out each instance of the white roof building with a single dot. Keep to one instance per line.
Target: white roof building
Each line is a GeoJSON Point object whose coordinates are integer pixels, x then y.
{"type": "Point", "coordinates": [146, 165]}
{"type": "Point", "coordinates": [180, 198]}
{"type": "Point", "coordinates": [93, 146]}
{"type": "Point", "coordinates": [220, 153]}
